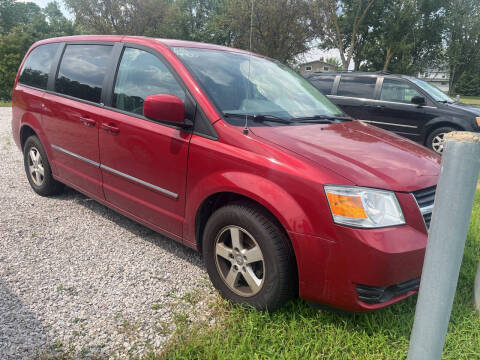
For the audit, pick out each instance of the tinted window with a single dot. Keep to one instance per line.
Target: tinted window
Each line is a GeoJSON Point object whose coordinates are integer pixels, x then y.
{"type": "Point", "coordinates": [37, 66]}
{"type": "Point", "coordinates": [141, 74]}
{"type": "Point", "coordinates": [82, 71]}
{"type": "Point", "coordinates": [357, 86]}
{"type": "Point", "coordinates": [398, 91]}
{"type": "Point", "coordinates": [324, 84]}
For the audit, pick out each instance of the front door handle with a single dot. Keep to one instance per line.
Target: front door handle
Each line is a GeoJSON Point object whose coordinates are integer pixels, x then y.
{"type": "Point", "coordinates": [87, 121]}
{"type": "Point", "coordinates": [110, 128]}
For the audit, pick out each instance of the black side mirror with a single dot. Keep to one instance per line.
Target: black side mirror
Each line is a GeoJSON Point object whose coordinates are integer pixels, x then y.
{"type": "Point", "coordinates": [418, 100]}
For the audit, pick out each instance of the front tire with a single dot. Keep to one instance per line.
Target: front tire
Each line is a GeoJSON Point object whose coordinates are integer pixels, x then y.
{"type": "Point", "coordinates": [435, 140]}
{"type": "Point", "coordinates": [249, 258]}
{"type": "Point", "coordinates": [37, 168]}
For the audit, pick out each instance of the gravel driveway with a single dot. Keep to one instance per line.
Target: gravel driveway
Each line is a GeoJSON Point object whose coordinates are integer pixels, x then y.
{"type": "Point", "coordinates": [80, 279]}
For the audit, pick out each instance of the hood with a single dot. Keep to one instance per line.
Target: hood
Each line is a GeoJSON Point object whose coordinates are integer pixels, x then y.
{"type": "Point", "coordinates": [366, 155]}
{"type": "Point", "coordinates": [475, 111]}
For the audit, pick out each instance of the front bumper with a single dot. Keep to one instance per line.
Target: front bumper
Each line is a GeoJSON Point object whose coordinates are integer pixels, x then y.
{"type": "Point", "coordinates": [332, 270]}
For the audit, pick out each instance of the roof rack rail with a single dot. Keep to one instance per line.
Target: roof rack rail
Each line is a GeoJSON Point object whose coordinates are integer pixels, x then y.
{"type": "Point", "coordinates": [383, 72]}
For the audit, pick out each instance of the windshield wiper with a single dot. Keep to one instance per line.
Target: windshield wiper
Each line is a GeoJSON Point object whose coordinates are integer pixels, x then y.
{"type": "Point", "coordinates": [260, 118]}
{"type": "Point", "coordinates": [324, 119]}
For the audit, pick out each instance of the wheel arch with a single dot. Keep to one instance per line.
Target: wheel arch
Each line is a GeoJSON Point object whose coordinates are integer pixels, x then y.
{"type": "Point", "coordinates": [25, 132]}
{"type": "Point", "coordinates": [215, 201]}
{"type": "Point", "coordinates": [438, 123]}
{"type": "Point", "coordinates": [219, 199]}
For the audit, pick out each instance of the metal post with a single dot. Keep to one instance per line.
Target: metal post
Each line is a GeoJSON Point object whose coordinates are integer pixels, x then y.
{"type": "Point", "coordinates": [446, 243]}
{"type": "Point", "coordinates": [476, 289]}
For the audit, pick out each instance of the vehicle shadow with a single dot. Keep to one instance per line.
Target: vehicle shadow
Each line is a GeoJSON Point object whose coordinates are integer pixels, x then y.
{"type": "Point", "coordinates": [21, 332]}
{"type": "Point", "coordinates": [172, 246]}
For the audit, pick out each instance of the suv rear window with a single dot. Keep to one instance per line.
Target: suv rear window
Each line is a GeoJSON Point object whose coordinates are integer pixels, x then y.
{"type": "Point", "coordinates": [82, 71]}
{"type": "Point", "coordinates": [323, 83]}
{"type": "Point", "coordinates": [37, 66]}
{"type": "Point", "coordinates": [357, 86]}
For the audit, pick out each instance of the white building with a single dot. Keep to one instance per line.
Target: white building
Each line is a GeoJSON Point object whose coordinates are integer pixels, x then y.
{"type": "Point", "coordinates": [437, 77]}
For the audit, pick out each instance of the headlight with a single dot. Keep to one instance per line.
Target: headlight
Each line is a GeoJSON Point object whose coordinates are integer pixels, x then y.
{"type": "Point", "coordinates": [363, 207]}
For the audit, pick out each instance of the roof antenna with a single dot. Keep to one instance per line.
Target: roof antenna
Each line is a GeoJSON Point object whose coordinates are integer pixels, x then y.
{"type": "Point", "coordinates": [245, 129]}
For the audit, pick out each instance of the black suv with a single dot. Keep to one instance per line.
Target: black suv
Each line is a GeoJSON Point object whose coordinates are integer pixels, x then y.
{"type": "Point", "coordinates": [405, 105]}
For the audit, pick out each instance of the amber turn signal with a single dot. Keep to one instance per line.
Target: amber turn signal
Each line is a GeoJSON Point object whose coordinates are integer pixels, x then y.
{"type": "Point", "coordinates": [346, 206]}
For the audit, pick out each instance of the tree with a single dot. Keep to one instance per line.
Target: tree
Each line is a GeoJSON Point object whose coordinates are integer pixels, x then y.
{"type": "Point", "coordinates": [58, 24]}
{"type": "Point", "coordinates": [334, 61]}
{"type": "Point", "coordinates": [332, 19]}
{"type": "Point", "coordinates": [406, 38]}
{"type": "Point", "coordinates": [281, 28]}
{"type": "Point", "coordinates": [468, 84]}
{"type": "Point", "coordinates": [13, 13]}
{"type": "Point", "coordinates": [199, 20]}
{"type": "Point", "coordinates": [129, 17]}
{"type": "Point", "coordinates": [462, 38]}
{"type": "Point", "coordinates": [23, 32]}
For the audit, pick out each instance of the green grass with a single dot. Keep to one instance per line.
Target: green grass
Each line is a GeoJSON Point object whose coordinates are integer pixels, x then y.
{"type": "Point", "coordinates": [299, 332]}
{"type": "Point", "coordinates": [473, 100]}
{"type": "Point", "coordinates": [4, 103]}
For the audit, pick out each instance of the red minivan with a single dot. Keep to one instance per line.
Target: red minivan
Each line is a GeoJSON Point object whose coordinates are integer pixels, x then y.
{"type": "Point", "coordinates": [234, 155]}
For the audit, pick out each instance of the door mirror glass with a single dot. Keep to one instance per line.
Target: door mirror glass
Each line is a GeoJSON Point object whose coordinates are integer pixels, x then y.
{"type": "Point", "coordinates": [418, 100]}
{"type": "Point", "coordinates": [164, 107]}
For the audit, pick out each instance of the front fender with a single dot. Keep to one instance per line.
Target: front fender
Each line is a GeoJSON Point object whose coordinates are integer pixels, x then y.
{"type": "Point", "coordinates": [265, 192]}
{"type": "Point", "coordinates": [463, 124]}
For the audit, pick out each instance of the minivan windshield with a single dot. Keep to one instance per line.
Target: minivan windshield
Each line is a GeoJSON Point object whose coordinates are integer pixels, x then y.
{"type": "Point", "coordinates": [431, 90]}
{"type": "Point", "coordinates": [275, 92]}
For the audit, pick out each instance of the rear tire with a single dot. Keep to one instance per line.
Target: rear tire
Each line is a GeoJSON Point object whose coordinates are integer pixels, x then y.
{"type": "Point", "coordinates": [435, 140]}
{"type": "Point", "coordinates": [248, 257]}
{"type": "Point", "coordinates": [37, 168]}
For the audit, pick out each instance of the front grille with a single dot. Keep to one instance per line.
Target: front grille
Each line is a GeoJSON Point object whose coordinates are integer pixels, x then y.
{"type": "Point", "coordinates": [380, 294]}
{"type": "Point", "coordinates": [427, 218]}
{"type": "Point", "coordinates": [425, 199]}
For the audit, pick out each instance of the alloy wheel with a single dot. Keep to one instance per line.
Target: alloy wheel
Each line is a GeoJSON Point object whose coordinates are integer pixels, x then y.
{"type": "Point", "coordinates": [438, 143]}
{"type": "Point", "coordinates": [239, 261]}
{"type": "Point", "coordinates": [35, 166]}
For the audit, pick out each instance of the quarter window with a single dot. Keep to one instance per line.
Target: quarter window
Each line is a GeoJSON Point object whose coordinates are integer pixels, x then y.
{"type": "Point", "coordinates": [357, 86]}
{"type": "Point", "coordinates": [141, 74]}
{"type": "Point", "coordinates": [37, 66]}
{"type": "Point", "coordinates": [397, 91]}
{"type": "Point", "coordinates": [82, 71]}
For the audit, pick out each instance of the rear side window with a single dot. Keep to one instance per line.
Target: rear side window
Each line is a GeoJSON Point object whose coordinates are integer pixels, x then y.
{"type": "Point", "coordinates": [357, 86]}
{"type": "Point", "coordinates": [324, 84]}
{"type": "Point", "coordinates": [37, 66]}
{"type": "Point", "coordinates": [82, 71]}
{"type": "Point", "coordinates": [141, 74]}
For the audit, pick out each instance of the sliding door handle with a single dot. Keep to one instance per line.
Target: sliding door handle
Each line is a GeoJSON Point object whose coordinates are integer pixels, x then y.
{"type": "Point", "coordinates": [110, 128]}
{"type": "Point", "coordinates": [87, 121]}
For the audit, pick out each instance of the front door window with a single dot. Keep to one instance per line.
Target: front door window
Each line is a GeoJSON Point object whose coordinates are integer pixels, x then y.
{"type": "Point", "coordinates": [397, 91]}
